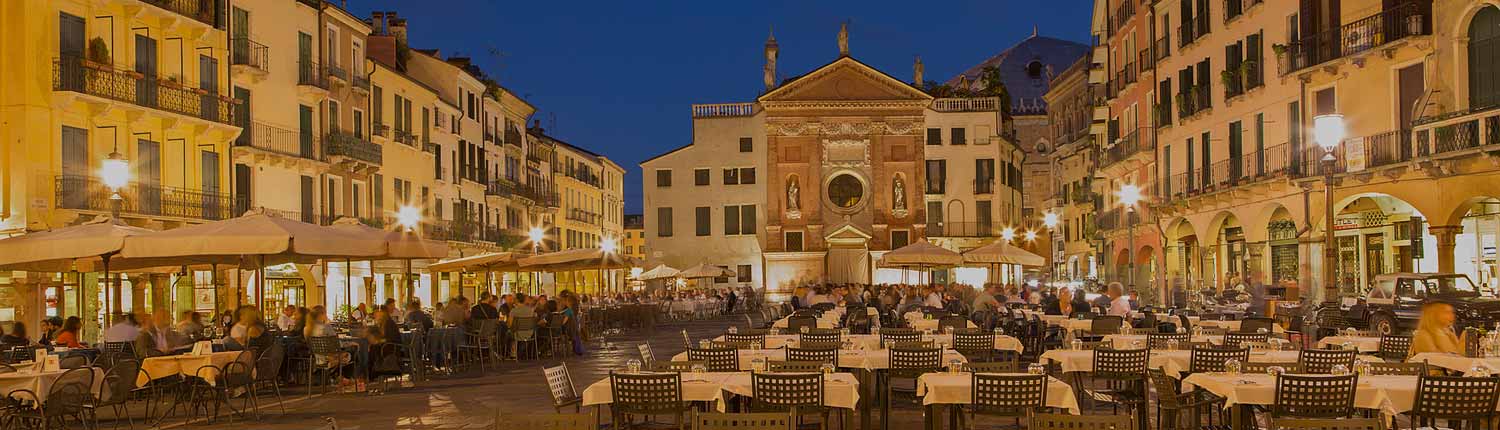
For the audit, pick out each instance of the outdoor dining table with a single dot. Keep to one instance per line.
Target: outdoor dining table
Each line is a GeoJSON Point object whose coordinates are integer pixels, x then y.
{"type": "Point", "coordinates": [1174, 362]}
{"type": "Point", "coordinates": [848, 358]}
{"type": "Point", "coordinates": [1234, 326]}
{"type": "Point", "coordinates": [827, 320]}
{"type": "Point", "coordinates": [1456, 362]}
{"type": "Point", "coordinates": [924, 324]}
{"type": "Point", "coordinates": [1135, 341]}
{"type": "Point", "coordinates": [188, 365]}
{"type": "Point", "coordinates": [1361, 343]}
{"type": "Point", "coordinates": [40, 383]}
{"type": "Point", "coordinates": [1389, 394]}
{"type": "Point", "coordinates": [840, 390]}
{"type": "Point", "coordinates": [872, 342]}
{"type": "Point", "coordinates": [943, 390]}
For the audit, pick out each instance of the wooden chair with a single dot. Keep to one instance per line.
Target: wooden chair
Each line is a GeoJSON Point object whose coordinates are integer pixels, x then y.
{"type": "Point", "coordinates": [1079, 422]}
{"type": "Point", "coordinates": [1455, 399]}
{"type": "Point", "coordinates": [647, 395]}
{"type": "Point", "coordinates": [754, 421]}
{"type": "Point", "coordinates": [1315, 396]}
{"type": "Point", "coordinates": [1327, 424]}
{"type": "Point", "coordinates": [559, 421]}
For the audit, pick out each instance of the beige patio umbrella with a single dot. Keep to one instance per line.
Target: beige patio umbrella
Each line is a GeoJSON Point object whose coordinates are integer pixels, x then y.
{"type": "Point", "coordinates": [399, 246]}
{"type": "Point", "coordinates": [661, 271]}
{"type": "Point", "coordinates": [999, 253]}
{"type": "Point", "coordinates": [577, 259]}
{"type": "Point", "coordinates": [487, 262]}
{"type": "Point", "coordinates": [920, 254]}
{"type": "Point", "coordinates": [267, 238]}
{"type": "Point", "coordinates": [73, 248]}
{"type": "Point", "coordinates": [704, 271]}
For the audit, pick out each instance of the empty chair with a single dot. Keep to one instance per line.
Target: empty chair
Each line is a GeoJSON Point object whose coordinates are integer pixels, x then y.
{"type": "Point", "coordinates": [821, 336]}
{"type": "Point", "coordinates": [1455, 399]}
{"type": "Point", "coordinates": [1006, 396]}
{"type": "Point", "coordinates": [560, 384]}
{"type": "Point", "coordinates": [1394, 347]}
{"type": "Point", "coordinates": [1233, 340]}
{"type": "Point", "coordinates": [1316, 396]}
{"type": "Point", "coordinates": [1213, 359]}
{"type": "Point", "coordinates": [1164, 340]}
{"type": "Point", "coordinates": [648, 359]}
{"type": "Point", "coordinates": [1256, 324]}
{"type": "Point", "coordinates": [646, 395]}
{"type": "Point", "coordinates": [1104, 325]}
{"type": "Point", "coordinates": [1328, 424]}
{"type": "Point", "coordinates": [717, 359]}
{"type": "Point", "coordinates": [1078, 422]}
{"type": "Point", "coordinates": [755, 421]}
{"type": "Point", "coordinates": [679, 366]}
{"type": "Point", "coordinates": [797, 323]}
{"type": "Point", "coordinates": [974, 344]}
{"type": "Point", "coordinates": [1171, 403]}
{"type": "Point", "coordinates": [908, 363]}
{"type": "Point", "coordinates": [1008, 366]}
{"type": "Point", "coordinates": [793, 366]}
{"type": "Point", "coordinates": [950, 322]}
{"type": "Point", "coordinates": [749, 338]}
{"type": "Point", "coordinates": [1397, 368]}
{"type": "Point", "coordinates": [818, 355]}
{"type": "Point", "coordinates": [899, 335]}
{"type": "Point", "coordinates": [558, 421]}
{"type": "Point", "coordinates": [1320, 361]}
{"type": "Point", "coordinates": [798, 393]}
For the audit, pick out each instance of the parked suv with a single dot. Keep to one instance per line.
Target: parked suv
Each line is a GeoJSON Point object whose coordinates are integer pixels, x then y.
{"type": "Point", "coordinates": [1394, 303]}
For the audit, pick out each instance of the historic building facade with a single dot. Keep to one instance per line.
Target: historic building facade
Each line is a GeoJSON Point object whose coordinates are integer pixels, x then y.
{"type": "Point", "coordinates": [825, 172]}
{"type": "Point", "coordinates": [1075, 129]}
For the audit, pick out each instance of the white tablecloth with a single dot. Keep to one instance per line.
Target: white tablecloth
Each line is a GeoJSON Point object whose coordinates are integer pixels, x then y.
{"type": "Point", "coordinates": [1362, 343]}
{"type": "Point", "coordinates": [872, 342]}
{"type": "Point", "coordinates": [1234, 326]}
{"type": "Point", "coordinates": [188, 365]}
{"type": "Point", "coordinates": [840, 390]}
{"type": "Point", "coordinates": [1125, 341]}
{"type": "Point", "coordinates": [41, 382]}
{"type": "Point", "coordinates": [1457, 363]}
{"type": "Point", "coordinates": [951, 389]}
{"type": "Point", "coordinates": [1390, 394]}
{"type": "Point", "coordinates": [827, 320]}
{"type": "Point", "coordinates": [1173, 362]}
{"type": "Point", "coordinates": [848, 358]}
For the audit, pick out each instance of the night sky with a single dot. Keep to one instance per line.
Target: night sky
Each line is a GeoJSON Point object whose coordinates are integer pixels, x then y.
{"type": "Point", "coordinates": [617, 77]}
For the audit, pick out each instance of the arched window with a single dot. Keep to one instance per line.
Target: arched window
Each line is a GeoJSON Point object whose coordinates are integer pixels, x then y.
{"type": "Point", "coordinates": [1484, 58]}
{"type": "Point", "coordinates": [1034, 69]}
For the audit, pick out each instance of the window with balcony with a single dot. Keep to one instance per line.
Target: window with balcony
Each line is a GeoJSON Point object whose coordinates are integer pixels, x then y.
{"type": "Point", "coordinates": [1484, 58]}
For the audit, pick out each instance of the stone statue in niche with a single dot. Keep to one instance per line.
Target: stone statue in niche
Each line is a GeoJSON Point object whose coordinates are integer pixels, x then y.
{"type": "Point", "coordinates": [793, 199]}
{"type": "Point", "coordinates": [898, 198]}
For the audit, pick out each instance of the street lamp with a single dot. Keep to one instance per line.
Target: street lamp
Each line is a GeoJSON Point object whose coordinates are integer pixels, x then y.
{"type": "Point", "coordinates": [608, 245]}
{"type": "Point", "coordinates": [115, 172]}
{"type": "Point", "coordinates": [1050, 219]}
{"type": "Point", "coordinates": [1130, 195]}
{"type": "Point", "coordinates": [1328, 129]}
{"type": "Point", "coordinates": [1030, 235]}
{"type": "Point", "coordinates": [1009, 233]}
{"type": "Point", "coordinates": [408, 217]}
{"type": "Point", "coordinates": [535, 234]}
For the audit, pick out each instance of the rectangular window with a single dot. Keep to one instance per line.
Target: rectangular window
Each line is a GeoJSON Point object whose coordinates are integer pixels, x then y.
{"type": "Point", "coordinates": [722, 279]}
{"type": "Point", "coordinates": [747, 175]}
{"type": "Point", "coordinates": [731, 176]}
{"type": "Point", "coordinates": [747, 219]}
{"type": "Point", "coordinates": [742, 273]}
{"type": "Point", "coordinates": [663, 178]}
{"type": "Point", "coordinates": [958, 136]}
{"type": "Point", "coordinates": [731, 220]}
{"type": "Point", "coordinates": [747, 145]}
{"type": "Point", "coordinates": [700, 177]}
{"type": "Point", "coordinates": [934, 136]}
{"type": "Point", "coordinates": [900, 238]}
{"type": "Point", "coordinates": [935, 216]}
{"type": "Point", "coordinates": [359, 124]}
{"type": "Point", "coordinates": [937, 176]}
{"type": "Point", "coordinates": [703, 225]}
{"type": "Point", "coordinates": [793, 241]}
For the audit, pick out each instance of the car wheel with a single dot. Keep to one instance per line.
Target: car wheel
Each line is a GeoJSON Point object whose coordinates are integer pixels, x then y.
{"type": "Point", "coordinates": [1382, 325]}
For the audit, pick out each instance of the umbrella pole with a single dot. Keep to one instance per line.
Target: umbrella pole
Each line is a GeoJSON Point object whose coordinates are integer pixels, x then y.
{"type": "Point", "coordinates": [409, 286]}
{"type": "Point", "coordinates": [260, 275]}
{"type": "Point", "coordinates": [348, 283]}
{"type": "Point", "coordinates": [106, 291]}
{"type": "Point", "coordinates": [213, 279]}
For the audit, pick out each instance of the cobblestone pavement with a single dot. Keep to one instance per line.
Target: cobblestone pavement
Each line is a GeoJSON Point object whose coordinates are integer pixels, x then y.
{"type": "Point", "coordinates": [471, 401]}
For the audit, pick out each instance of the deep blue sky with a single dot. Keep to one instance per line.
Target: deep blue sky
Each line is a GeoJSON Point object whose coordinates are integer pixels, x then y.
{"type": "Point", "coordinates": [617, 76]}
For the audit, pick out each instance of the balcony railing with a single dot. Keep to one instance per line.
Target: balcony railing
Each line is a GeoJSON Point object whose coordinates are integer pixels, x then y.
{"type": "Point", "coordinates": [1192, 101]}
{"type": "Point", "coordinates": [1355, 154]}
{"type": "Point", "coordinates": [313, 75]}
{"type": "Point", "coordinates": [246, 52]}
{"type": "Point", "coordinates": [1457, 132]}
{"type": "Point", "coordinates": [500, 188]}
{"type": "Point", "coordinates": [1162, 48]}
{"type": "Point", "coordinates": [404, 137]}
{"type": "Point", "coordinates": [202, 11]}
{"type": "Point", "coordinates": [361, 82]}
{"type": "Point", "coordinates": [279, 140]}
{"type": "Point", "coordinates": [1131, 73]}
{"type": "Point", "coordinates": [335, 71]}
{"type": "Point", "coordinates": [1147, 61]}
{"type": "Point", "coordinates": [542, 197]}
{"type": "Point", "coordinates": [1236, 171]}
{"type": "Point", "coordinates": [1233, 84]}
{"type": "Point", "coordinates": [381, 130]}
{"type": "Point", "coordinates": [340, 144]}
{"type": "Point", "coordinates": [583, 216]}
{"type": "Point", "coordinates": [1138, 141]}
{"type": "Point", "coordinates": [1117, 219]}
{"type": "Point", "coordinates": [101, 80]}
{"type": "Point", "coordinates": [513, 136]}
{"type": "Point", "coordinates": [1161, 115]}
{"type": "Point", "coordinates": [1362, 35]}
{"type": "Point", "coordinates": [964, 229]}
{"type": "Point", "coordinates": [969, 104]}
{"type": "Point", "coordinates": [85, 192]}
{"type": "Point", "coordinates": [723, 110]}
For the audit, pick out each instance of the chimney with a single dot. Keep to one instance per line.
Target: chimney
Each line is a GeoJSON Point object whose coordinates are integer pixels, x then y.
{"type": "Point", "coordinates": [377, 23]}
{"type": "Point", "coordinates": [916, 72]}
{"type": "Point", "coordinates": [536, 125]}
{"type": "Point", "coordinates": [395, 26]}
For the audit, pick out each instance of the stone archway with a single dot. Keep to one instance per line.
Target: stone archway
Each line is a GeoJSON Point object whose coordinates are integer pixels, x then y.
{"type": "Point", "coordinates": [1182, 254]}
{"type": "Point", "coordinates": [1475, 235]}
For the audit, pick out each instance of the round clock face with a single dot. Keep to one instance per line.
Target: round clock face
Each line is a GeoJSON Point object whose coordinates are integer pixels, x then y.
{"type": "Point", "coordinates": [845, 191]}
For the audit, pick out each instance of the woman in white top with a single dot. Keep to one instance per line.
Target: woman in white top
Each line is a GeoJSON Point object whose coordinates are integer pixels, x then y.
{"type": "Point", "coordinates": [1119, 304]}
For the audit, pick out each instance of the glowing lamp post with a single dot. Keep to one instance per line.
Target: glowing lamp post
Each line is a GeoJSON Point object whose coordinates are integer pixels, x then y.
{"type": "Point", "coordinates": [1130, 195]}
{"type": "Point", "coordinates": [408, 217]}
{"type": "Point", "coordinates": [1050, 219]}
{"type": "Point", "coordinates": [1030, 236]}
{"type": "Point", "coordinates": [1328, 129]}
{"type": "Point", "coordinates": [1009, 234]}
{"type": "Point", "coordinates": [115, 172]}
{"type": "Point", "coordinates": [608, 245]}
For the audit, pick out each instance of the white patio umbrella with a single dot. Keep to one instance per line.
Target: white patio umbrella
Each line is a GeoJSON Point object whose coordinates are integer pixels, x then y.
{"type": "Point", "coordinates": [399, 246]}
{"type": "Point", "coordinates": [487, 262]}
{"type": "Point", "coordinates": [661, 271]}
{"type": "Point", "coordinates": [921, 254]}
{"type": "Point", "coordinates": [265, 237]}
{"type": "Point", "coordinates": [704, 271]}
{"type": "Point", "coordinates": [578, 259]}
{"type": "Point", "coordinates": [82, 246]}
{"type": "Point", "coordinates": [999, 253]}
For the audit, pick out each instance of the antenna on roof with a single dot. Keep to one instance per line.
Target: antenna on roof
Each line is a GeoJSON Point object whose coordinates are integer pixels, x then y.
{"type": "Point", "coordinates": [1033, 30]}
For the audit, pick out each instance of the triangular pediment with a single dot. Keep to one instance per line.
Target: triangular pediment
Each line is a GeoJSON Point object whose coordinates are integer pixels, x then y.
{"type": "Point", "coordinates": [847, 232]}
{"type": "Point", "coordinates": [845, 79]}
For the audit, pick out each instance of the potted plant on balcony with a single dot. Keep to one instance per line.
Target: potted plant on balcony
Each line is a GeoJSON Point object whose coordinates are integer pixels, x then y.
{"type": "Point", "coordinates": [98, 55]}
{"type": "Point", "coordinates": [1182, 100]}
{"type": "Point", "coordinates": [1283, 61]}
{"type": "Point", "coordinates": [172, 81]}
{"type": "Point", "coordinates": [1247, 68]}
{"type": "Point", "coordinates": [1414, 24]}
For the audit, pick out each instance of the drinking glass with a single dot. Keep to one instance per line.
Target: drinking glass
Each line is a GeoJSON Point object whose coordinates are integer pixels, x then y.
{"type": "Point", "coordinates": [1233, 366]}
{"type": "Point", "coordinates": [632, 366]}
{"type": "Point", "coordinates": [1339, 370]}
{"type": "Point", "coordinates": [955, 366]}
{"type": "Point", "coordinates": [1036, 369]}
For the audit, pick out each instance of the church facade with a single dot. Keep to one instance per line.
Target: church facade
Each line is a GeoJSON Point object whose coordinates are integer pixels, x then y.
{"type": "Point", "coordinates": [823, 173]}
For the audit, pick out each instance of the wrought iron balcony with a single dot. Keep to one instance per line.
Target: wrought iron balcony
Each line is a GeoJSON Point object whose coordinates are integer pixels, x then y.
{"type": "Point", "coordinates": [963, 229]}
{"type": "Point", "coordinates": [361, 82]}
{"type": "Point", "coordinates": [501, 188]}
{"type": "Point", "coordinates": [279, 140]}
{"type": "Point", "coordinates": [311, 74]}
{"type": "Point", "coordinates": [1239, 170]}
{"type": "Point", "coordinates": [1404, 20]}
{"type": "Point", "coordinates": [202, 11]}
{"type": "Point", "coordinates": [334, 71]}
{"type": "Point", "coordinates": [79, 75]}
{"type": "Point", "coordinates": [583, 216]}
{"type": "Point", "coordinates": [82, 192]}
{"type": "Point", "coordinates": [340, 144]}
{"type": "Point", "coordinates": [1457, 132]}
{"type": "Point", "coordinates": [1162, 48]}
{"type": "Point", "coordinates": [1139, 141]}
{"type": "Point", "coordinates": [246, 52]}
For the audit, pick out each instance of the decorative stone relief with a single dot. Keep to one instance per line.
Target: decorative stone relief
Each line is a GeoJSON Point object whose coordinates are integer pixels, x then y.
{"type": "Point", "coordinates": [846, 153]}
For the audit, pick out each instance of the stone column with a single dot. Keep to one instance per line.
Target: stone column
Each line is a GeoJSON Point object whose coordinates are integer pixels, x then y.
{"type": "Point", "coordinates": [1446, 237]}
